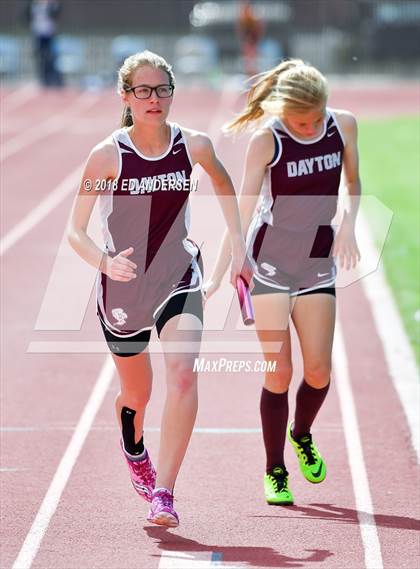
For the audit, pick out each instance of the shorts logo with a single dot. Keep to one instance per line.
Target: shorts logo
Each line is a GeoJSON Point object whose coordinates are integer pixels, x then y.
{"type": "Point", "coordinates": [322, 275]}
{"type": "Point", "coordinates": [271, 271]}
{"type": "Point", "coordinates": [120, 316]}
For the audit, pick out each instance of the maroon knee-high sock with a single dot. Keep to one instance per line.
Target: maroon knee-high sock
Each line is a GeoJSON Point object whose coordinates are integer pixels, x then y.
{"type": "Point", "coordinates": [274, 408]}
{"type": "Point", "coordinates": [308, 403]}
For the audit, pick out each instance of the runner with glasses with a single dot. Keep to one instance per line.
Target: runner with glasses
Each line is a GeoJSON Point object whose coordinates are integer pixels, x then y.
{"type": "Point", "coordinates": [151, 272]}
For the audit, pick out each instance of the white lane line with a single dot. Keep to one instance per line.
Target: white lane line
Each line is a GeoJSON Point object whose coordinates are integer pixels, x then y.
{"type": "Point", "coordinates": [363, 499]}
{"type": "Point", "coordinates": [397, 348]}
{"type": "Point", "coordinates": [50, 126]}
{"type": "Point", "coordinates": [205, 430]}
{"type": "Point", "coordinates": [155, 347]}
{"type": "Point", "coordinates": [18, 98]}
{"type": "Point", "coordinates": [67, 186]}
{"type": "Point", "coordinates": [199, 430]}
{"type": "Point", "coordinates": [216, 430]}
{"type": "Point", "coordinates": [47, 509]}
{"type": "Point", "coordinates": [194, 560]}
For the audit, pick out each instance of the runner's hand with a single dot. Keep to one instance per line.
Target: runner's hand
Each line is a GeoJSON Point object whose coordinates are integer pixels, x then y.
{"type": "Point", "coordinates": [241, 267]}
{"type": "Point", "coordinates": [345, 246]}
{"type": "Point", "coordinates": [209, 288]}
{"type": "Point", "coordinates": [120, 268]}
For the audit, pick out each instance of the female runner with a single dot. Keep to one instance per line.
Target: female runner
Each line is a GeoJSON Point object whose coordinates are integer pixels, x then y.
{"type": "Point", "coordinates": [293, 164]}
{"type": "Point", "coordinates": [150, 273]}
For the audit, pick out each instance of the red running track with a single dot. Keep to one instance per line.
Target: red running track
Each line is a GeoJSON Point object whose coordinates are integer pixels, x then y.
{"type": "Point", "coordinates": [99, 521]}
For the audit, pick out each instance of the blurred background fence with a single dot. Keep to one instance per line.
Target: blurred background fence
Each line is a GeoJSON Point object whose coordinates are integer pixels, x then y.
{"type": "Point", "coordinates": [350, 37]}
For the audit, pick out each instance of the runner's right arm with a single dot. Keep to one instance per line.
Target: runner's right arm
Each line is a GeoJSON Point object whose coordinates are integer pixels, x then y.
{"type": "Point", "coordinates": [102, 164]}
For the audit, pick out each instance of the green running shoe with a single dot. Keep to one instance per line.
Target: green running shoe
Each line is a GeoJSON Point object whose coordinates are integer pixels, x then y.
{"type": "Point", "coordinates": [276, 490]}
{"type": "Point", "coordinates": [310, 461]}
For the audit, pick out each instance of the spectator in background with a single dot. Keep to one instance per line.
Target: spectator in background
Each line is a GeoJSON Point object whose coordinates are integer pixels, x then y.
{"type": "Point", "coordinates": [250, 32]}
{"type": "Point", "coordinates": [41, 16]}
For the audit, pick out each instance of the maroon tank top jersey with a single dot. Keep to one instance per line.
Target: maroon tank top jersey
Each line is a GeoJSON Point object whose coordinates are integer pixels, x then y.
{"type": "Point", "coordinates": [147, 208]}
{"type": "Point", "coordinates": [291, 235]}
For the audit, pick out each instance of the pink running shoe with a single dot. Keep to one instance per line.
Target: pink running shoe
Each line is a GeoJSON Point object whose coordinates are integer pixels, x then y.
{"type": "Point", "coordinates": [162, 511]}
{"type": "Point", "coordinates": [142, 474]}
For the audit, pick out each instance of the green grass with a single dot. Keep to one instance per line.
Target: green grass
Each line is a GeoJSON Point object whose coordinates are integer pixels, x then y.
{"type": "Point", "coordinates": [390, 170]}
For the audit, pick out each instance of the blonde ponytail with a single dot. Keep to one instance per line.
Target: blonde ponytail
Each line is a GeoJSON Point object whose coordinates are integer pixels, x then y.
{"type": "Point", "coordinates": [291, 85]}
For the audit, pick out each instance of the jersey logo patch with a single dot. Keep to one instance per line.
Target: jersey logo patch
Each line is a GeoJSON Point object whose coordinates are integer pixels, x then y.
{"type": "Point", "coordinates": [271, 271]}
{"type": "Point", "coordinates": [176, 151]}
{"type": "Point", "coordinates": [120, 316]}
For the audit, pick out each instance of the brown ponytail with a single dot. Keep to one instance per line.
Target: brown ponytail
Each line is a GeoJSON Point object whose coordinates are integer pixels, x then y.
{"type": "Point", "coordinates": [127, 117]}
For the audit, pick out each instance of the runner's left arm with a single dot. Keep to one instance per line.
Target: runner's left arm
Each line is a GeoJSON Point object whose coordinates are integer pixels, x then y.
{"type": "Point", "coordinates": [345, 244]}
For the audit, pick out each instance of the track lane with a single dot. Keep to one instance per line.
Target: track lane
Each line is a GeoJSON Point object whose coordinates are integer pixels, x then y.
{"type": "Point", "coordinates": [34, 378]}
{"type": "Point", "coordinates": [333, 509]}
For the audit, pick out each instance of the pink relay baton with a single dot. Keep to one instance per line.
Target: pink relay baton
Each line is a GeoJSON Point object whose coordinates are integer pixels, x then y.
{"type": "Point", "coordinates": [245, 301]}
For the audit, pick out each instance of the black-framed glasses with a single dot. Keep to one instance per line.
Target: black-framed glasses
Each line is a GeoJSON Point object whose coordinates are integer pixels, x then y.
{"type": "Point", "coordinates": [145, 91]}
